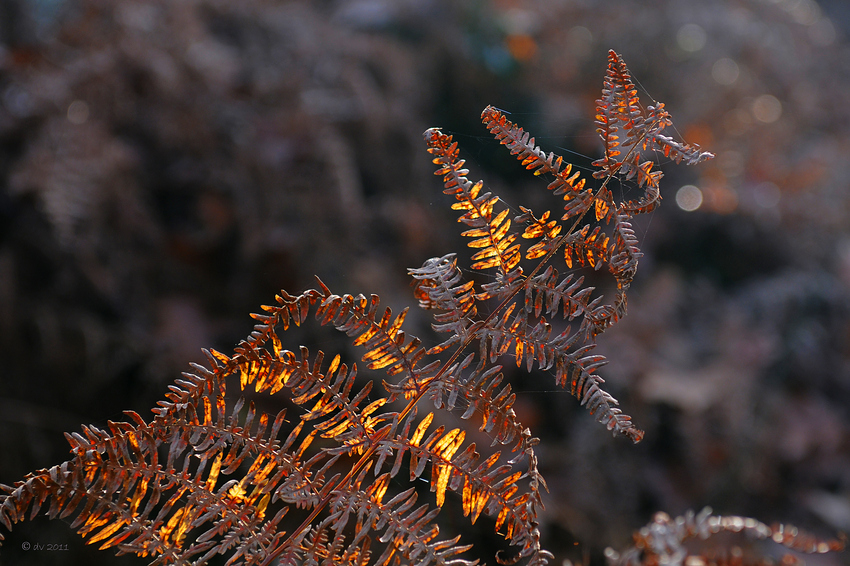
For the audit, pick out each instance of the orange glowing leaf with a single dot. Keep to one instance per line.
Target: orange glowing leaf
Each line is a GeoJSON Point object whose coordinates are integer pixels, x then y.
{"type": "Point", "coordinates": [379, 488]}
{"type": "Point", "coordinates": [492, 262]}
{"type": "Point", "coordinates": [237, 492]}
{"type": "Point", "coordinates": [419, 433]}
{"type": "Point", "coordinates": [141, 490]}
{"type": "Point", "coordinates": [94, 522]}
{"type": "Point", "coordinates": [503, 515]}
{"type": "Point", "coordinates": [184, 526]}
{"type": "Point", "coordinates": [263, 504]}
{"type": "Point", "coordinates": [448, 445]}
{"type": "Point", "coordinates": [245, 377]}
{"type": "Point", "coordinates": [106, 532]}
{"type": "Point", "coordinates": [214, 471]}
{"type": "Point", "coordinates": [478, 506]}
{"type": "Point", "coordinates": [441, 484]}
{"type": "Point", "coordinates": [602, 208]}
{"type": "Point", "coordinates": [520, 348]}
{"type": "Point", "coordinates": [169, 527]}
{"type": "Point", "coordinates": [568, 256]}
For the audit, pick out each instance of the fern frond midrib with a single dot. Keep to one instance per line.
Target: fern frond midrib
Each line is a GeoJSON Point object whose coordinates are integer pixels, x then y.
{"type": "Point", "coordinates": [364, 460]}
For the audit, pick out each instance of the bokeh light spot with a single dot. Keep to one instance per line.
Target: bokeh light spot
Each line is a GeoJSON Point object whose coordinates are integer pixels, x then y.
{"type": "Point", "coordinates": [689, 198]}
{"type": "Point", "coordinates": [78, 112]}
{"type": "Point", "coordinates": [521, 47]}
{"type": "Point", "coordinates": [805, 12]}
{"type": "Point", "coordinates": [767, 109]}
{"type": "Point", "coordinates": [725, 71]}
{"type": "Point", "coordinates": [691, 38]}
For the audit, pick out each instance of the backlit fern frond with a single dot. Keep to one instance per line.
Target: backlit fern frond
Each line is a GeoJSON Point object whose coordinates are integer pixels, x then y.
{"type": "Point", "coordinates": [333, 478]}
{"type": "Point", "coordinates": [587, 247]}
{"type": "Point", "coordinates": [485, 487]}
{"type": "Point", "coordinates": [627, 130]}
{"type": "Point", "coordinates": [438, 286]}
{"type": "Point", "coordinates": [210, 476]}
{"type": "Point", "coordinates": [516, 326]}
{"type": "Point", "coordinates": [579, 198]}
{"type": "Point", "coordinates": [547, 293]}
{"type": "Point", "coordinates": [492, 233]}
{"type": "Point", "coordinates": [123, 496]}
{"type": "Point", "coordinates": [688, 540]}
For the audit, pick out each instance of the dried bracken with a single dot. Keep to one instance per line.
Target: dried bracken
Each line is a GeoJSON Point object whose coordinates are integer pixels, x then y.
{"type": "Point", "coordinates": [212, 474]}
{"type": "Point", "coordinates": [666, 541]}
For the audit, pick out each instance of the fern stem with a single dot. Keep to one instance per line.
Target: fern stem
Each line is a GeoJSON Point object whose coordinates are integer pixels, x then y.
{"type": "Point", "coordinates": [367, 455]}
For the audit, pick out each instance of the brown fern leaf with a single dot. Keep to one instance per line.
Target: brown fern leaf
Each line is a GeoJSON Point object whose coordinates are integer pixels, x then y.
{"type": "Point", "coordinates": [485, 487]}
{"type": "Point", "coordinates": [492, 233]}
{"type": "Point", "coordinates": [657, 119]}
{"type": "Point", "coordinates": [626, 130]}
{"type": "Point", "coordinates": [625, 252]}
{"type": "Point", "coordinates": [436, 287]}
{"type": "Point", "coordinates": [545, 292]}
{"type": "Point", "coordinates": [479, 392]}
{"type": "Point", "coordinates": [541, 229]}
{"type": "Point", "coordinates": [518, 328]}
{"type": "Point", "coordinates": [508, 330]}
{"type": "Point", "coordinates": [587, 247]}
{"type": "Point", "coordinates": [228, 481]}
{"type": "Point", "coordinates": [511, 333]}
{"type": "Point", "coordinates": [579, 199]}
{"type": "Point", "coordinates": [114, 472]}
{"type": "Point", "coordinates": [617, 113]}
{"type": "Point", "coordinates": [115, 484]}
{"type": "Point", "coordinates": [409, 533]}
{"type": "Point", "coordinates": [650, 200]}
{"type": "Point", "coordinates": [210, 474]}
{"type": "Point", "coordinates": [687, 540]}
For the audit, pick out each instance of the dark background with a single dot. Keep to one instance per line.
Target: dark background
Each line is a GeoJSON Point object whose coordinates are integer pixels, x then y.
{"type": "Point", "coordinates": [166, 167]}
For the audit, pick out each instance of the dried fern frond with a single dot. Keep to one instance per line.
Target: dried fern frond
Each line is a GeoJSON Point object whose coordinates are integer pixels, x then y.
{"type": "Point", "coordinates": [517, 326]}
{"type": "Point", "coordinates": [627, 130]}
{"type": "Point", "coordinates": [492, 233]}
{"type": "Point", "coordinates": [578, 197]}
{"type": "Point", "coordinates": [687, 540]}
{"type": "Point", "coordinates": [321, 482]}
{"type": "Point", "coordinates": [210, 476]}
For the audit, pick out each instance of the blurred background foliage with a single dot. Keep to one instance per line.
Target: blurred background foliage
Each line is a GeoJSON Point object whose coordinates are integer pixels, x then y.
{"type": "Point", "coordinates": [166, 167]}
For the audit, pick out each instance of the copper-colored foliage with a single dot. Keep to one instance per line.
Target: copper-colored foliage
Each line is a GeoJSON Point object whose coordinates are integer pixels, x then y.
{"type": "Point", "coordinates": [523, 332]}
{"type": "Point", "coordinates": [213, 474]}
{"type": "Point", "coordinates": [627, 129]}
{"type": "Point", "coordinates": [688, 540]}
